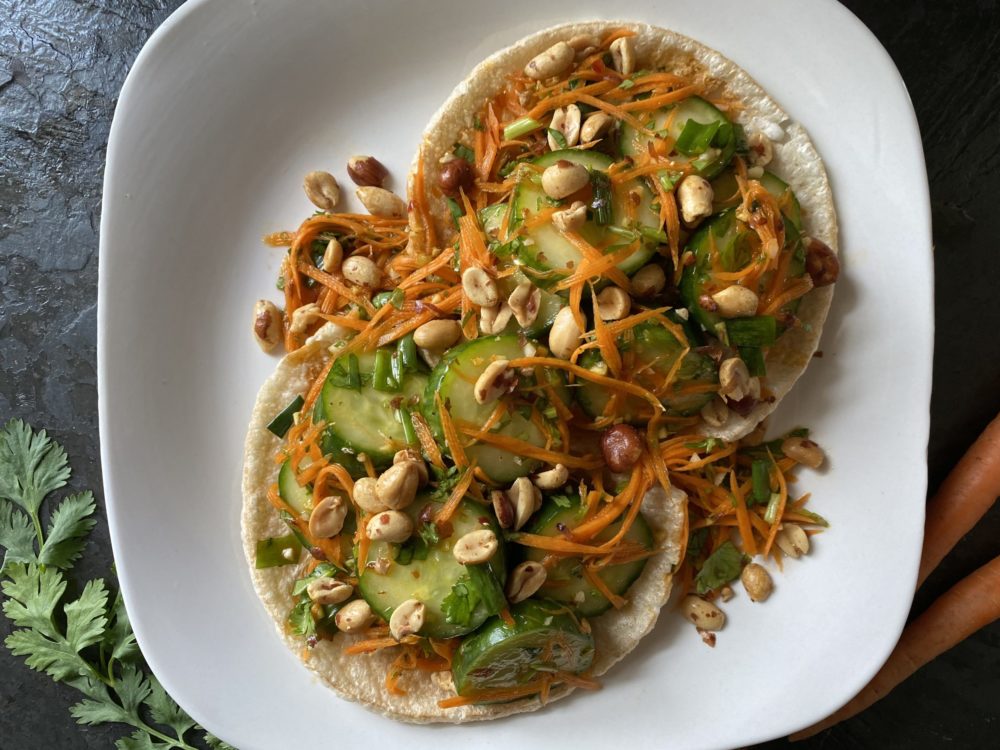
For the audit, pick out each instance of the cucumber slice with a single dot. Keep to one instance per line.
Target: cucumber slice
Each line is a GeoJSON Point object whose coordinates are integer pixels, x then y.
{"type": "Point", "coordinates": [707, 164]}
{"type": "Point", "coordinates": [454, 378]}
{"type": "Point", "coordinates": [490, 219]}
{"type": "Point", "coordinates": [547, 252]}
{"type": "Point", "coordinates": [544, 638]}
{"type": "Point", "coordinates": [726, 193]}
{"type": "Point", "coordinates": [297, 496]}
{"type": "Point", "coordinates": [724, 243]}
{"type": "Point", "coordinates": [363, 419]}
{"type": "Point", "coordinates": [566, 582]}
{"type": "Point", "coordinates": [429, 579]}
{"type": "Point", "coordinates": [653, 350]}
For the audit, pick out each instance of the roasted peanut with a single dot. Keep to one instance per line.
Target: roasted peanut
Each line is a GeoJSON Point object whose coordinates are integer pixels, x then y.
{"type": "Point", "coordinates": [715, 412]}
{"type": "Point", "coordinates": [595, 126]}
{"type": "Point", "coordinates": [553, 478]}
{"type": "Point", "coordinates": [322, 190]}
{"type": "Point", "coordinates": [389, 526]}
{"type": "Point", "coordinates": [437, 335]}
{"type": "Point", "coordinates": [757, 581]}
{"type": "Point", "coordinates": [494, 319]}
{"type": "Point", "coordinates": [572, 218]}
{"type": "Point", "coordinates": [613, 303]}
{"type": "Point", "coordinates": [476, 547]}
{"type": "Point", "coordinates": [648, 281]}
{"type": "Point", "coordinates": [266, 324]}
{"type": "Point", "coordinates": [366, 496]}
{"type": "Point", "coordinates": [564, 336]}
{"type": "Point", "coordinates": [407, 619]}
{"type": "Point", "coordinates": [822, 263]}
{"type": "Point", "coordinates": [694, 195]}
{"type": "Point", "coordinates": [525, 580]}
{"type": "Point", "coordinates": [564, 178]}
{"type": "Point", "coordinates": [621, 447]}
{"type": "Point", "coordinates": [804, 451]}
{"type": "Point", "coordinates": [567, 122]}
{"type": "Point", "coordinates": [412, 455]}
{"type": "Point", "coordinates": [502, 508]}
{"type": "Point", "coordinates": [623, 55]}
{"type": "Point", "coordinates": [702, 613]}
{"type": "Point", "coordinates": [381, 202]}
{"type": "Point", "coordinates": [734, 379]}
{"type": "Point", "coordinates": [524, 302]}
{"type": "Point", "coordinates": [327, 517]}
{"type": "Point", "coordinates": [792, 540]}
{"type": "Point", "coordinates": [333, 256]}
{"type": "Point", "coordinates": [553, 61]}
{"type": "Point", "coordinates": [736, 302]}
{"type": "Point", "coordinates": [366, 171]}
{"type": "Point", "coordinates": [480, 287]}
{"type": "Point", "coordinates": [526, 499]}
{"type": "Point", "coordinates": [496, 380]}
{"type": "Point", "coordinates": [354, 616]}
{"type": "Point", "coordinates": [456, 175]}
{"type": "Point", "coordinates": [303, 317]}
{"type": "Point", "coordinates": [397, 485]}
{"type": "Point", "coordinates": [325, 590]}
{"type": "Point", "coordinates": [361, 270]}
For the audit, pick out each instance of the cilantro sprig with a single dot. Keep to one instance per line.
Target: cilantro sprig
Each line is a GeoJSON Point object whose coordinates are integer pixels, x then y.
{"type": "Point", "coordinates": [85, 642]}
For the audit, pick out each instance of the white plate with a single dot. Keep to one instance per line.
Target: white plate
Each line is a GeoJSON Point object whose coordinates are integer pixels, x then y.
{"type": "Point", "coordinates": [229, 104]}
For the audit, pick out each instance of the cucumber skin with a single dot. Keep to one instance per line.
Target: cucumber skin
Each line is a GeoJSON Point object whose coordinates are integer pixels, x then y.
{"type": "Point", "coordinates": [618, 578]}
{"type": "Point", "coordinates": [435, 624]}
{"type": "Point", "coordinates": [535, 623]}
{"type": "Point", "coordinates": [298, 497]}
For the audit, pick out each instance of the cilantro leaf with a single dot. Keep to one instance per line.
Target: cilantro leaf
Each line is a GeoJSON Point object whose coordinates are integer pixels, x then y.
{"type": "Point", "coordinates": [17, 536]}
{"type": "Point", "coordinates": [140, 740]}
{"type": "Point", "coordinates": [164, 710]}
{"type": "Point", "coordinates": [488, 587]}
{"type": "Point", "coordinates": [460, 604]}
{"type": "Point", "coordinates": [85, 617]}
{"type": "Point", "coordinates": [119, 640]}
{"type": "Point", "coordinates": [32, 595]}
{"type": "Point", "coordinates": [31, 465]}
{"type": "Point", "coordinates": [69, 526]}
{"type": "Point", "coordinates": [721, 567]}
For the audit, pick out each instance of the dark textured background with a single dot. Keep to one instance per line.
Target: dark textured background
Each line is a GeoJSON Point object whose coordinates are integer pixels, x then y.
{"type": "Point", "coordinates": [62, 63]}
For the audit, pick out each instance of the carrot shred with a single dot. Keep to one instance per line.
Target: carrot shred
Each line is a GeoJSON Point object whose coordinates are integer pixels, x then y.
{"type": "Point", "coordinates": [458, 492]}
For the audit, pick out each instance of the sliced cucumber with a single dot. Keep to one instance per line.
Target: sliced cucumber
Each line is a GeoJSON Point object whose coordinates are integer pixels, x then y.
{"type": "Point", "coordinates": [726, 193]}
{"type": "Point", "coordinates": [363, 419]}
{"type": "Point", "coordinates": [454, 379]}
{"type": "Point", "coordinates": [430, 579]}
{"type": "Point", "coordinates": [566, 582]}
{"type": "Point", "coordinates": [707, 164]}
{"type": "Point", "coordinates": [543, 638]}
{"type": "Point", "coordinates": [490, 219]}
{"type": "Point", "coordinates": [548, 252]}
{"type": "Point", "coordinates": [297, 496]}
{"type": "Point", "coordinates": [650, 350]}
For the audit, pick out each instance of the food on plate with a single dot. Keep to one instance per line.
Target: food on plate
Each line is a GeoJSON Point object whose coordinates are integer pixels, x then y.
{"type": "Point", "coordinates": [639, 160]}
{"type": "Point", "coordinates": [509, 423]}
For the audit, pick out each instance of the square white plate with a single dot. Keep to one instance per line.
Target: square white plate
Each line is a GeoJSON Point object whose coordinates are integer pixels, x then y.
{"type": "Point", "coordinates": [229, 104]}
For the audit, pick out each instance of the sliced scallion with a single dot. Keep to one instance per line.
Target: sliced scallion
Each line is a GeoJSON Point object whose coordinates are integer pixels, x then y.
{"type": "Point", "coordinates": [761, 330]}
{"type": "Point", "coordinates": [696, 137]}
{"type": "Point", "coordinates": [520, 127]}
{"type": "Point", "coordinates": [558, 137]}
{"type": "Point", "coordinates": [276, 551]}
{"type": "Point", "coordinates": [601, 202]}
{"type": "Point", "coordinates": [281, 423]}
{"type": "Point", "coordinates": [760, 481]}
{"type": "Point", "coordinates": [382, 379]}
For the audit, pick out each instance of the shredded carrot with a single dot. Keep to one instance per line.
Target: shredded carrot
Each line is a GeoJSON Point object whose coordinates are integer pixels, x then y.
{"type": "Point", "coordinates": [451, 504]}
{"type": "Point", "coordinates": [427, 442]}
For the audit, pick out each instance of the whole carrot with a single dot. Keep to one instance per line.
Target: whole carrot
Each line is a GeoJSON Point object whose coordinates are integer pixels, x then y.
{"type": "Point", "coordinates": [963, 498]}
{"type": "Point", "coordinates": [973, 603]}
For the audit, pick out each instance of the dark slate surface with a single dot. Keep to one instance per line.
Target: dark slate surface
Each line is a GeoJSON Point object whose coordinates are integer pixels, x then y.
{"type": "Point", "coordinates": [62, 63]}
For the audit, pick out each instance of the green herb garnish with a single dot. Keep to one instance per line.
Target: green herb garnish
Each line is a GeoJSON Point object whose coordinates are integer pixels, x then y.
{"type": "Point", "coordinates": [283, 422]}
{"type": "Point", "coordinates": [721, 567]}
